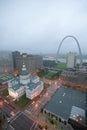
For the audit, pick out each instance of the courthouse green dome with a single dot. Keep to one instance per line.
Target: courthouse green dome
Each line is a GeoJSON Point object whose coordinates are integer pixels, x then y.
{"type": "Point", "coordinates": [24, 70]}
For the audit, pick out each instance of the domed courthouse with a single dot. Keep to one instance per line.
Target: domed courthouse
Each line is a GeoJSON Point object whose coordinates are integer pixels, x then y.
{"type": "Point", "coordinates": [25, 83]}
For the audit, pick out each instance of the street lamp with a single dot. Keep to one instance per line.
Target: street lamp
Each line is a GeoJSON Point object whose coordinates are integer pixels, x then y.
{"type": "Point", "coordinates": [36, 106]}
{"type": "Point", "coordinates": [1, 103]}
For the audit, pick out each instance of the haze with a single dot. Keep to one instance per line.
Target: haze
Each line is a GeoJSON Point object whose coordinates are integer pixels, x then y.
{"type": "Point", "coordinates": [38, 26]}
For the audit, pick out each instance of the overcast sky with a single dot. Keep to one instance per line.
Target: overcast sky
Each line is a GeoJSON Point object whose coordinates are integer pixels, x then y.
{"type": "Point", "coordinates": [38, 26]}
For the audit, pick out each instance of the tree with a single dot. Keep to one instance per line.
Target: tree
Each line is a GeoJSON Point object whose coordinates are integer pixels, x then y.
{"type": "Point", "coordinates": [1, 122]}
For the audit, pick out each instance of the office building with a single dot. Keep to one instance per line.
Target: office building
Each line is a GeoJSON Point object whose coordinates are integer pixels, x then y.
{"type": "Point", "coordinates": [6, 61]}
{"type": "Point", "coordinates": [71, 60]}
{"type": "Point", "coordinates": [15, 54]}
{"type": "Point", "coordinates": [32, 62]}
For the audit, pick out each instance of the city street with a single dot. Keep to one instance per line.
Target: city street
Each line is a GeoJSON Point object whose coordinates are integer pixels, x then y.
{"type": "Point", "coordinates": [34, 109]}
{"type": "Point", "coordinates": [31, 111]}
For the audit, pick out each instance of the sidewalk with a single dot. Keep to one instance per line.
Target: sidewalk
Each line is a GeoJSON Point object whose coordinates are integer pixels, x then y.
{"type": "Point", "coordinates": [43, 121]}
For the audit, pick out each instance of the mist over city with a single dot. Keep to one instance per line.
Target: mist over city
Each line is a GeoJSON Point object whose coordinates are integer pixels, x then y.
{"type": "Point", "coordinates": [39, 26]}
{"type": "Point", "coordinates": [43, 65]}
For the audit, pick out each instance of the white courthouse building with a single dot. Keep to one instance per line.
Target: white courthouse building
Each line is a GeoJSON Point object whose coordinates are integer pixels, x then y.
{"type": "Point", "coordinates": [25, 83]}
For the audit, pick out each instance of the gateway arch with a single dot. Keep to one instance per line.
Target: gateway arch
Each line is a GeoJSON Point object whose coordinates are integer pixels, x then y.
{"type": "Point", "coordinates": [80, 54]}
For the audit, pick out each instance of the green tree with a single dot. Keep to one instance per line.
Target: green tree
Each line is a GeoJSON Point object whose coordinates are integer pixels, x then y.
{"type": "Point", "coordinates": [1, 122]}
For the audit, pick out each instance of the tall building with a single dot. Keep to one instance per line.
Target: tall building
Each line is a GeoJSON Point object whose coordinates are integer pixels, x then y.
{"type": "Point", "coordinates": [15, 54]}
{"type": "Point", "coordinates": [6, 61]}
{"type": "Point", "coordinates": [71, 60]}
{"type": "Point", "coordinates": [32, 62]}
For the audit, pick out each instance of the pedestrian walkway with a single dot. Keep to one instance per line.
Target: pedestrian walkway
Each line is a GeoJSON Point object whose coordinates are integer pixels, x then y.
{"type": "Point", "coordinates": [43, 121]}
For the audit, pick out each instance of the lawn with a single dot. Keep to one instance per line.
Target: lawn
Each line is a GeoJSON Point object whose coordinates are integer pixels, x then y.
{"type": "Point", "coordinates": [5, 92]}
{"type": "Point", "coordinates": [49, 75]}
{"type": "Point", "coordinates": [23, 101]}
{"type": "Point", "coordinates": [52, 76]}
{"type": "Point", "coordinates": [53, 64]}
{"type": "Point", "coordinates": [61, 66]}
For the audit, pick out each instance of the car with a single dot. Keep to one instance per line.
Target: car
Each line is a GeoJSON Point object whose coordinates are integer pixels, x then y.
{"type": "Point", "coordinates": [33, 102]}
{"type": "Point", "coordinates": [6, 101]}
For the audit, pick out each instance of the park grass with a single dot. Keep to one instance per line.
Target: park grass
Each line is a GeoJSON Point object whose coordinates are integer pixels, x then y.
{"type": "Point", "coordinates": [53, 64]}
{"type": "Point", "coordinates": [23, 101]}
{"type": "Point", "coordinates": [49, 75]}
{"type": "Point", "coordinates": [61, 66]}
{"type": "Point", "coordinates": [5, 92]}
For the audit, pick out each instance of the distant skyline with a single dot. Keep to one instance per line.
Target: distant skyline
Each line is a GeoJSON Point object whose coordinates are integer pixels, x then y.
{"type": "Point", "coordinates": [38, 26]}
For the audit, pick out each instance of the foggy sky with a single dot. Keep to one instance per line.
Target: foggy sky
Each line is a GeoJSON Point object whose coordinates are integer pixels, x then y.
{"type": "Point", "coordinates": [38, 26]}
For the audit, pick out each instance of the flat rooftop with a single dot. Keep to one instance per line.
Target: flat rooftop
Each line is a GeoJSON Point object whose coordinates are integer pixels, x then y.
{"type": "Point", "coordinates": [78, 115]}
{"type": "Point", "coordinates": [4, 77]}
{"type": "Point", "coordinates": [15, 83]}
{"type": "Point", "coordinates": [32, 86]}
{"type": "Point", "coordinates": [63, 100]}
